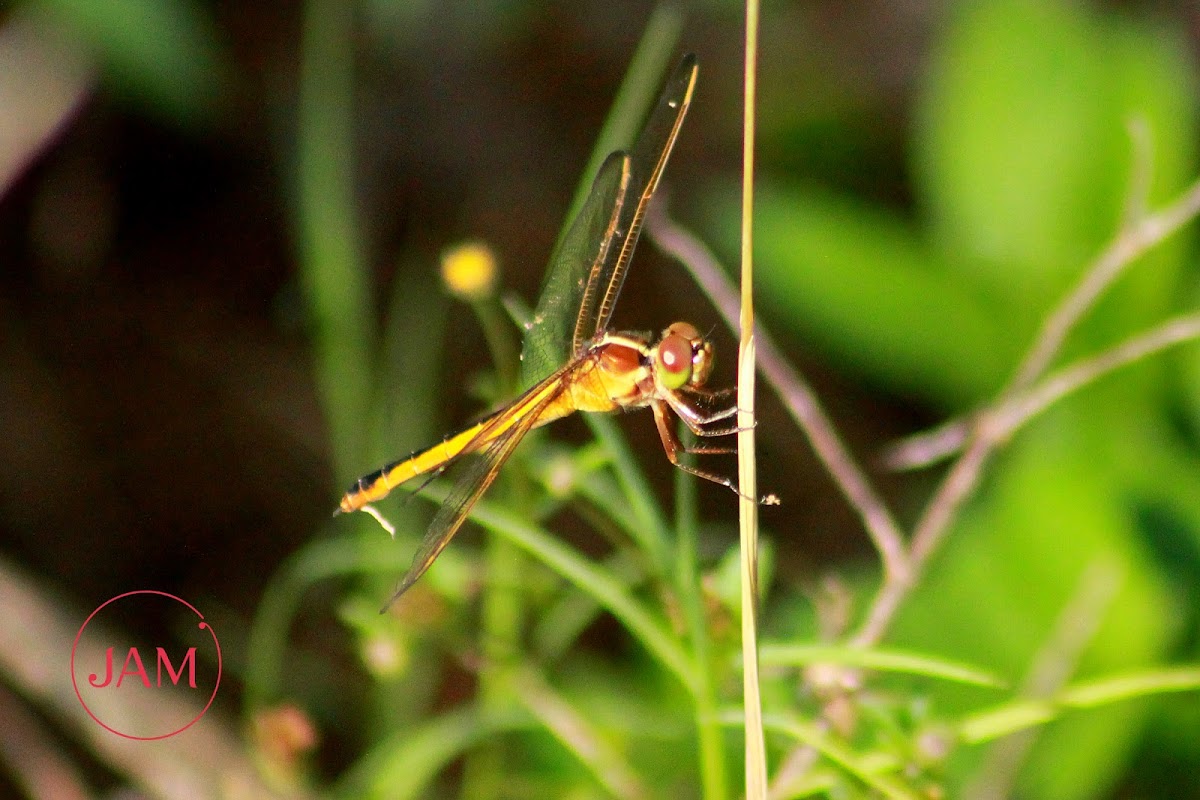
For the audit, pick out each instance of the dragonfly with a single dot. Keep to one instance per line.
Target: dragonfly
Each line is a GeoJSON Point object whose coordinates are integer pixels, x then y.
{"type": "Point", "coordinates": [598, 370]}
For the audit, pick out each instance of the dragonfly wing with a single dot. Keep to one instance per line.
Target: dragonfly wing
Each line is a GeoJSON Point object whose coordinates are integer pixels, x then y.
{"type": "Point", "coordinates": [648, 159]}
{"type": "Point", "coordinates": [588, 268]}
{"type": "Point", "coordinates": [526, 413]}
{"type": "Point", "coordinates": [549, 342]}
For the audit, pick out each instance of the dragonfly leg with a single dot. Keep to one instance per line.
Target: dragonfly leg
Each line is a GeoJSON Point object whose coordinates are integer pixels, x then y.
{"type": "Point", "coordinates": [673, 447]}
{"type": "Point", "coordinates": [430, 477]}
{"type": "Point", "coordinates": [696, 416]}
{"type": "Point", "coordinates": [723, 400]}
{"type": "Point", "coordinates": [723, 397]}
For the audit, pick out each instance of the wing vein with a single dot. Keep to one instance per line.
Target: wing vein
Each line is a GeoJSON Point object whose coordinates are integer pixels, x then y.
{"type": "Point", "coordinates": [479, 476]}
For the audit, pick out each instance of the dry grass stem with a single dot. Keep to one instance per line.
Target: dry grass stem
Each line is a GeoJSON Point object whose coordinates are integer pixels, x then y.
{"type": "Point", "coordinates": [796, 395]}
{"type": "Point", "coordinates": [755, 743]}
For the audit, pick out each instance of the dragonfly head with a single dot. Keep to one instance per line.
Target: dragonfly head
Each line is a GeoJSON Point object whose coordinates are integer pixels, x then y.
{"type": "Point", "coordinates": [684, 357]}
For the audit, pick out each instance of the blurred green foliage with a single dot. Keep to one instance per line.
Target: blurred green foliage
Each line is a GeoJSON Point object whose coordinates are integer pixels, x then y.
{"type": "Point", "coordinates": [1022, 172]}
{"type": "Point", "coordinates": [164, 56]}
{"type": "Point", "coordinates": [1085, 533]}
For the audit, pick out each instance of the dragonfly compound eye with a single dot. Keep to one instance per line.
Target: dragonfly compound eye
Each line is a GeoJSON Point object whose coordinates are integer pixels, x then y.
{"type": "Point", "coordinates": [692, 346]}
{"type": "Point", "coordinates": [674, 360]}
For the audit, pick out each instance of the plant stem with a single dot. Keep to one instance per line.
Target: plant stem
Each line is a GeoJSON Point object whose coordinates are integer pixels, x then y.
{"type": "Point", "coordinates": [797, 397]}
{"type": "Point", "coordinates": [691, 599]}
{"type": "Point", "coordinates": [338, 295]}
{"type": "Point", "coordinates": [755, 746]}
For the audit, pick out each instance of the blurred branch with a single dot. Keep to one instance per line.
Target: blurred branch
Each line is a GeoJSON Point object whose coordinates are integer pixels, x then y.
{"type": "Point", "coordinates": [1013, 406]}
{"type": "Point", "coordinates": [997, 424]}
{"type": "Point", "coordinates": [1020, 408]}
{"type": "Point", "coordinates": [35, 761]}
{"type": "Point", "coordinates": [1077, 625]}
{"type": "Point", "coordinates": [927, 447]}
{"type": "Point", "coordinates": [36, 634]}
{"type": "Point", "coordinates": [1137, 235]}
{"type": "Point", "coordinates": [791, 388]}
{"type": "Point", "coordinates": [44, 79]}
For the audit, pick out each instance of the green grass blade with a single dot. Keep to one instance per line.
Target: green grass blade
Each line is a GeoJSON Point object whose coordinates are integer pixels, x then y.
{"type": "Point", "coordinates": [881, 660]}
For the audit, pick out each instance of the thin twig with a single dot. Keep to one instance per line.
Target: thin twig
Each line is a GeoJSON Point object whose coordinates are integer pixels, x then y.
{"type": "Point", "coordinates": [791, 388]}
{"type": "Point", "coordinates": [994, 427]}
{"type": "Point", "coordinates": [1138, 234]}
{"type": "Point", "coordinates": [928, 447]}
{"type": "Point", "coordinates": [1020, 408]}
{"type": "Point", "coordinates": [986, 431]}
{"type": "Point", "coordinates": [1134, 239]}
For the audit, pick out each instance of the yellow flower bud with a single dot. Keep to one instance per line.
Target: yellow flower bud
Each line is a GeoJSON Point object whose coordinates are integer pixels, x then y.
{"type": "Point", "coordinates": [470, 271]}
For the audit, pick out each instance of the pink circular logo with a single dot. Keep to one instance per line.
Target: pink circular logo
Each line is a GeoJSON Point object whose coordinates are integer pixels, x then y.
{"type": "Point", "coordinates": [137, 689]}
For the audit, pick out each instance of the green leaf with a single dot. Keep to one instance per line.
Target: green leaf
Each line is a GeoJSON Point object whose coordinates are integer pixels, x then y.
{"type": "Point", "coordinates": [1118, 688]}
{"type": "Point", "coordinates": [1011, 717]}
{"type": "Point", "coordinates": [1014, 161]}
{"type": "Point", "coordinates": [880, 659]}
{"type": "Point", "coordinates": [1050, 533]}
{"type": "Point", "coordinates": [404, 765]}
{"type": "Point", "coordinates": [857, 283]}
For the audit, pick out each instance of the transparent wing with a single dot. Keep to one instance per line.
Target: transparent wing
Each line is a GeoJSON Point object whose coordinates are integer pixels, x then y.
{"type": "Point", "coordinates": [549, 341]}
{"type": "Point", "coordinates": [587, 271]}
{"type": "Point", "coordinates": [479, 475]}
{"type": "Point", "coordinates": [647, 161]}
